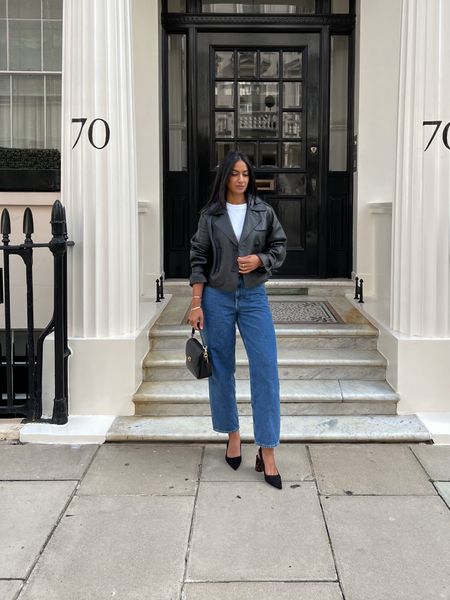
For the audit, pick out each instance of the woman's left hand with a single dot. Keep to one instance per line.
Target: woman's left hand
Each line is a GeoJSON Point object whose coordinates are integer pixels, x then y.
{"type": "Point", "coordinates": [249, 263]}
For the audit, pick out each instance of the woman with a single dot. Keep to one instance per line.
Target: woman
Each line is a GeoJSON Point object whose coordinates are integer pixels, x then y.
{"type": "Point", "coordinates": [238, 242]}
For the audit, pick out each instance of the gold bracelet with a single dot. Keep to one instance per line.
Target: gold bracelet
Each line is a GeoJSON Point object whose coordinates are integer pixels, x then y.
{"type": "Point", "coordinates": [195, 308]}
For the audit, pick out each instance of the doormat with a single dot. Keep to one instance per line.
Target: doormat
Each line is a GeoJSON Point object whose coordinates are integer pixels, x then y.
{"type": "Point", "coordinates": [300, 312]}
{"type": "Point", "coordinates": [303, 312]}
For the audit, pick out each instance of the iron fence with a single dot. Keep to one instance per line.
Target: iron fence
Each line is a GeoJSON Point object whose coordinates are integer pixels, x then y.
{"type": "Point", "coordinates": [22, 395]}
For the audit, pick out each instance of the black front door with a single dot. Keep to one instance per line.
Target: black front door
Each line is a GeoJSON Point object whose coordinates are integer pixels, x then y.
{"type": "Point", "coordinates": [259, 93]}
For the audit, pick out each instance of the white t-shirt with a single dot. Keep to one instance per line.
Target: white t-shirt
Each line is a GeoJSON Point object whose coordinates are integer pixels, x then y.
{"type": "Point", "coordinates": [236, 212]}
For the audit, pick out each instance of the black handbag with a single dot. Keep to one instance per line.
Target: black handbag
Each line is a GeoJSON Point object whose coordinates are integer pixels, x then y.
{"type": "Point", "coordinates": [197, 358]}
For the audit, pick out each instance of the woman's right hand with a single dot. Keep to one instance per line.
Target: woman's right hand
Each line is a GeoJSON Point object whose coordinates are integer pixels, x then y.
{"type": "Point", "coordinates": [195, 318]}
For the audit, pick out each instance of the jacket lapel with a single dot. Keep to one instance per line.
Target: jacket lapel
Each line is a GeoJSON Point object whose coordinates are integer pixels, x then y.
{"type": "Point", "coordinates": [222, 221]}
{"type": "Point", "coordinates": [252, 218]}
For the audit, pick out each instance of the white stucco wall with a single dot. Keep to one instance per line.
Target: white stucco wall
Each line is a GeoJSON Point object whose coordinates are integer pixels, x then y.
{"type": "Point", "coordinates": [376, 104]}
{"type": "Point", "coordinates": [148, 110]}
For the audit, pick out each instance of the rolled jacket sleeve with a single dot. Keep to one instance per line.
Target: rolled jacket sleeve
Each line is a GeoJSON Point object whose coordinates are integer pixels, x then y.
{"type": "Point", "coordinates": [275, 248]}
{"type": "Point", "coordinates": [200, 252]}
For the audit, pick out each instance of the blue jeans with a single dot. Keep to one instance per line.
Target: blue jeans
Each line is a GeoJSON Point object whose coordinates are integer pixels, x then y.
{"type": "Point", "coordinates": [249, 309]}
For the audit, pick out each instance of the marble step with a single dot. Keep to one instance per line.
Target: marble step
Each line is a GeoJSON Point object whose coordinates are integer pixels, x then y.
{"type": "Point", "coordinates": [326, 428]}
{"type": "Point", "coordinates": [301, 287]}
{"type": "Point", "coordinates": [168, 365]}
{"type": "Point", "coordinates": [301, 397]}
{"type": "Point", "coordinates": [357, 336]}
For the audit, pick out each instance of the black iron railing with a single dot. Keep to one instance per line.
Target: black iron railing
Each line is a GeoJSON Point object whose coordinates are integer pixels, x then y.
{"type": "Point", "coordinates": [359, 293]}
{"type": "Point", "coordinates": [17, 397]}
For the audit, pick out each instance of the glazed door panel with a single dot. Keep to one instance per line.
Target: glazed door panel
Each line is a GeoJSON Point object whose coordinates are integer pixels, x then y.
{"type": "Point", "coordinates": [259, 93]}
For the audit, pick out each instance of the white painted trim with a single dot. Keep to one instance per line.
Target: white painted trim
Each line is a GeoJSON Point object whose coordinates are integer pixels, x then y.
{"type": "Point", "coordinates": [380, 207]}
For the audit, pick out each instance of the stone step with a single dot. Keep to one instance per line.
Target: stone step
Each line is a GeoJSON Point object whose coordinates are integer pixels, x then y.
{"type": "Point", "coordinates": [168, 365]}
{"type": "Point", "coordinates": [357, 336]}
{"type": "Point", "coordinates": [365, 428]}
{"type": "Point", "coordinates": [301, 287]}
{"type": "Point", "coordinates": [301, 397]}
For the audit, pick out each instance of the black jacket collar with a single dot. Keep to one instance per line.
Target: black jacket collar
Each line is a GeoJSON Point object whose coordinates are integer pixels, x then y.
{"type": "Point", "coordinates": [252, 218]}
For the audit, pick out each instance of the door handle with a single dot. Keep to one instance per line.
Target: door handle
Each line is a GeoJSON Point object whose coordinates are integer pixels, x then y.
{"type": "Point", "coordinates": [313, 149]}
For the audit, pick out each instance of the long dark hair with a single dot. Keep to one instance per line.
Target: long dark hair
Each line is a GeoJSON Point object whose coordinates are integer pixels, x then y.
{"type": "Point", "coordinates": [218, 197]}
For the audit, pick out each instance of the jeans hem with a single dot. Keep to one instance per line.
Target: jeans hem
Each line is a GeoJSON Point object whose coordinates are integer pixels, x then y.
{"type": "Point", "coordinates": [267, 445]}
{"type": "Point", "coordinates": [223, 431]}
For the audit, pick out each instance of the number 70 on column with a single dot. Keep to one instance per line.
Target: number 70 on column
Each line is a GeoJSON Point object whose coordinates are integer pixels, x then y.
{"type": "Point", "coordinates": [437, 125]}
{"type": "Point", "coordinates": [90, 132]}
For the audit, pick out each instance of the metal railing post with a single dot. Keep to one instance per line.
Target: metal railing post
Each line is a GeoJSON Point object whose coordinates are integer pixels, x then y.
{"type": "Point", "coordinates": [58, 247]}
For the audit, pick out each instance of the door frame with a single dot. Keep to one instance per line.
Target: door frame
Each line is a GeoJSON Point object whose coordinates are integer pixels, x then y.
{"type": "Point", "coordinates": [192, 23]}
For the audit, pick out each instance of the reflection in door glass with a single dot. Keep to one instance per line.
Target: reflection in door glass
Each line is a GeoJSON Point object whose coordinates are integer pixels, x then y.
{"type": "Point", "coordinates": [338, 103]}
{"type": "Point", "coordinates": [292, 65]}
{"type": "Point", "coordinates": [225, 124]}
{"type": "Point", "coordinates": [248, 148]}
{"type": "Point", "coordinates": [268, 155]}
{"type": "Point", "coordinates": [258, 109]}
{"type": "Point", "coordinates": [222, 149]}
{"type": "Point", "coordinates": [177, 103]}
{"type": "Point", "coordinates": [292, 95]}
{"type": "Point", "coordinates": [292, 155]}
{"type": "Point", "coordinates": [224, 94]}
{"type": "Point", "coordinates": [292, 124]}
{"type": "Point", "coordinates": [255, 6]}
{"type": "Point", "coordinates": [247, 64]}
{"type": "Point", "coordinates": [268, 65]}
{"type": "Point", "coordinates": [225, 64]}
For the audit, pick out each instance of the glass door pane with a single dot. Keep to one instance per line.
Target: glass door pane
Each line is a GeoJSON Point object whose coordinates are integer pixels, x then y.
{"type": "Point", "coordinates": [258, 109]}
{"type": "Point", "coordinates": [177, 103]}
{"type": "Point", "coordinates": [338, 103]}
{"type": "Point", "coordinates": [340, 6]}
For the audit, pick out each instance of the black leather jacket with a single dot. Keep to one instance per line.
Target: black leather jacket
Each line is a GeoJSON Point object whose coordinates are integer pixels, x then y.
{"type": "Point", "coordinates": [215, 249]}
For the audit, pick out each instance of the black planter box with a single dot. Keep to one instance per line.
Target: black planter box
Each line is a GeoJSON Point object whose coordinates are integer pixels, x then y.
{"type": "Point", "coordinates": [30, 180]}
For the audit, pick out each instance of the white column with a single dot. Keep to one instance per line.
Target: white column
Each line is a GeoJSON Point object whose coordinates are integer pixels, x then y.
{"type": "Point", "coordinates": [420, 290]}
{"type": "Point", "coordinates": [99, 185]}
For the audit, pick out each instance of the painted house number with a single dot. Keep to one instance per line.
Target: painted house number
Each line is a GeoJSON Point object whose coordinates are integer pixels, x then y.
{"type": "Point", "coordinates": [107, 132]}
{"type": "Point", "coordinates": [445, 137]}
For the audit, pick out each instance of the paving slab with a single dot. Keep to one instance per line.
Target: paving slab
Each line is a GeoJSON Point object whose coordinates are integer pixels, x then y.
{"type": "Point", "coordinates": [251, 531]}
{"type": "Point", "coordinates": [9, 589]}
{"type": "Point", "coordinates": [390, 547]}
{"type": "Point", "coordinates": [124, 547]}
{"type": "Point", "coordinates": [368, 469]}
{"type": "Point", "coordinates": [435, 460]}
{"type": "Point", "coordinates": [443, 488]}
{"type": "Point", "coordinates": [32, 510]}
{"type": "Point", "coordinates": [292, 462]}
{"type": "Point", "coordinates": [146, 469]}
{"type": "Point", "coordinates": [281, 590]}
{"type": "Point", "coordinates": [27, 462]}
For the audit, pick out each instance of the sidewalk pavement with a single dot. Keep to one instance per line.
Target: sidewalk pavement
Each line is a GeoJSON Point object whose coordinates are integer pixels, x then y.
{"type": "Point", "coordinates": [174, 521]}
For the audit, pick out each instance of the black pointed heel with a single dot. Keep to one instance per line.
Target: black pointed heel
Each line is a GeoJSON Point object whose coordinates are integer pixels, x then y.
{"type": "Point", "coordinates": [233, 461]}
{"type": "Point", "coordinates": [274, 480]}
